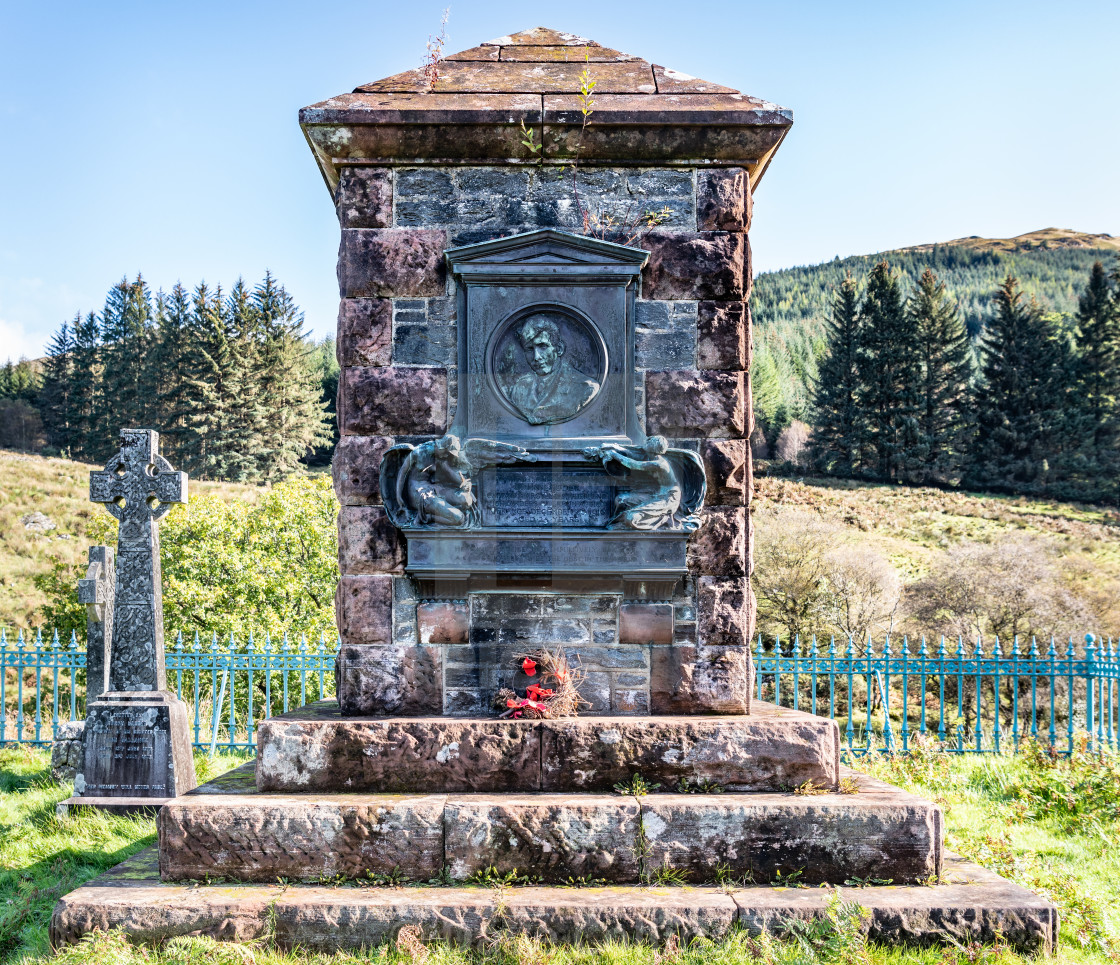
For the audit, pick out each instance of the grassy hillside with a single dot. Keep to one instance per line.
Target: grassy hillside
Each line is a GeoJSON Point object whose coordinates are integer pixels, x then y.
{"type": "Point", "coordinates": [790, 307]}
{"type": "Point", "coordinates": [913, 527]}
{"type": "Point", "coordinates": [59, 489]}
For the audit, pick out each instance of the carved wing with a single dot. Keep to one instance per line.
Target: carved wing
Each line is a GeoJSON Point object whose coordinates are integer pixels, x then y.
{"type": "Point", "coordinates": [689, 470]}
{"type": "Point", "coordinates": [485, 452]}
{"type": "Point", "coordinates": [393, 483]}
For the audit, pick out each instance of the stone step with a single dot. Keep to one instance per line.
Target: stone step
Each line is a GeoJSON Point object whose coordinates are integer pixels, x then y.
{"type": "Point", "coordinates": [879, 832]}
{"type": "Point", "coordinates": [972, 905]}
{"type": "Point", "coordinates": [315, 748]}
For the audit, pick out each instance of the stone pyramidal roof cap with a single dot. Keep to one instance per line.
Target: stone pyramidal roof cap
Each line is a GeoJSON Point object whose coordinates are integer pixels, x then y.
{"type": "Point", "coordinates": [642, 113]}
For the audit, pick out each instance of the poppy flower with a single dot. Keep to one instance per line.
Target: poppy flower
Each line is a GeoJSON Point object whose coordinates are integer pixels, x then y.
{"type": "Point", "coordinates": [535, 692]}
{"type": "Point", "coordinates": [529, 665]}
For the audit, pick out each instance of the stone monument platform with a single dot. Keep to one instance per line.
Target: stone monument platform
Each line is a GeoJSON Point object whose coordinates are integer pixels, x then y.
{"type": "Point", "coordinates": [968, 905]}
{"type": "Point", "coordinates": [317, 748]}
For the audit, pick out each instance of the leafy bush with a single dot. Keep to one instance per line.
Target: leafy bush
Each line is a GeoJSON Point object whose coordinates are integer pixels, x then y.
{"type": "Point", "coordinates": [231, 567]}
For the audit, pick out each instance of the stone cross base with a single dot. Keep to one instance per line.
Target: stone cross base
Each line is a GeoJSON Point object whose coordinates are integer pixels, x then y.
{"type": "Point", "coordinates": [137, 752]}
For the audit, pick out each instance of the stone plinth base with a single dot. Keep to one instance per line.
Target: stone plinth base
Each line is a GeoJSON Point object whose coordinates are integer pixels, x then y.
{"type": "Point", "coordinates": [130, 806]}
{"type": "Point", "coordinates": [317, 749]}
{"type": "Point", "coordinates": [879, 832]}
{"type": "Point", "coordinates": [974, 905]}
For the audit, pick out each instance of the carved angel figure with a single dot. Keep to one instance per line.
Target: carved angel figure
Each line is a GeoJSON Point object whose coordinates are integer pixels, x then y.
{"type": "Point", "coordinates": [667, 486]}
{"type": "Point", "coordinates": [431, 485]}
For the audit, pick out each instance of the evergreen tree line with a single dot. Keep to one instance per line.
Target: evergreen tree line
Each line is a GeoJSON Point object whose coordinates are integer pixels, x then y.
{"type": "Point", "coordinates": [791, 307]}
{"type": "Point", "coordinates": [1031, 406]}
{"type": "Point", "coordinates": [228, 379]}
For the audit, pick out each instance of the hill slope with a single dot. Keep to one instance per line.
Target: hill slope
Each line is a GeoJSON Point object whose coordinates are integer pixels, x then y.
{"type": "Point", "coordinates": [790, 307]}
{"type": "Point", "coordinates": [58, 489]}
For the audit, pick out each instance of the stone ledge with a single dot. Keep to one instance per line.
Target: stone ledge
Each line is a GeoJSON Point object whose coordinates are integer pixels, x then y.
{"type": "Point", "coordinates": [826, 838]}
{"type": "Point", "coordinates": [315, 748]}
{"type": "Point", "coordinates": [975, 905]}
{"type": "Point", "coordinates": [144, 807]}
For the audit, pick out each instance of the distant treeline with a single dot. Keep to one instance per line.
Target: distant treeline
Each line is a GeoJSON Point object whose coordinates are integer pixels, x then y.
{"type": "Point", "coordinates": [791, 308]}
{"type": "Point", "coordinates": [903, 394]}
{"type": "Point", "coordinates": [229, 379]}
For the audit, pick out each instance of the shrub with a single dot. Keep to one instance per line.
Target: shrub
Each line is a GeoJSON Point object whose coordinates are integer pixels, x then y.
{"type": "Point", "coordinates": [231, 567]}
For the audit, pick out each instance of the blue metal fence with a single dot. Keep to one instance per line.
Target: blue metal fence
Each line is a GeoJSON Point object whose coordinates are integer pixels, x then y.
{"type": "Point", "coordinates": [230, 684]}
{"type": "Point", "coordinates": [970, 697]}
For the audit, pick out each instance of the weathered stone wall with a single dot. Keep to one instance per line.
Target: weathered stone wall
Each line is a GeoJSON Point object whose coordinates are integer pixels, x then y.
{"type": "Point", "coordinates": [397, 348]}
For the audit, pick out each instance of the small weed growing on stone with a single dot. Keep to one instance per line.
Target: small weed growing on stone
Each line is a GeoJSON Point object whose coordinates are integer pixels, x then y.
{"type": "Point", "coordinates": [856, 882]}
{"type": "Point", "coordinates": [810, 787]}
{"type": "Point", "coordinates": [584, 882]}
{"type": "Point", "coordinates": [790, 880]}
{"type": "Point", "coordinates": [638, 786]}
{"type": "Point", "coordinates": [702, 786]}
{"type": "Point", "coordinates": [848, 785]}
{"type": "Point", "coordinates": [434, 56]}
{"type": "Point", "coordinates": [670, 877]}
{"type": "Point", "coordinates": [491, 877]}
{"type": "Point", "coordinates": [837, 937]}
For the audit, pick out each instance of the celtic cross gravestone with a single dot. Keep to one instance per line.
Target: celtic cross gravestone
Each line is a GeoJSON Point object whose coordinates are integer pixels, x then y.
{"type": "Point", "coordinates": [137, 743]}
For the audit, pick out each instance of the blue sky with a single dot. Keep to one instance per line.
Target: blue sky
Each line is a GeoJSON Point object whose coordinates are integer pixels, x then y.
{"type": "Point", "coordinates": [162, 138]}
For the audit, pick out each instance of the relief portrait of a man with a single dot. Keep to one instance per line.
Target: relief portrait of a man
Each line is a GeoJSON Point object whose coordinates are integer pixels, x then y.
{"type": "Point", "coordinates": [553, 389]}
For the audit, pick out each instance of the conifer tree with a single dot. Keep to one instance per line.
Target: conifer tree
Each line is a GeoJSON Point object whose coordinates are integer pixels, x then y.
{"type": "Point", "coordinates": [126, 335]}
{"type": "Point", "coordinates": [298, 420]}
{"type": "Point", "coordinates": [56, 396]}
{"type": "Point", "coordinates": [839, 427]}
{"type": "Point", "coordinates": [1097, 399]}
{"type": "Point", "coordinates": [887, 359]}
{"type": "Point", "coordinates": [208, 378]}
{"type": "Point", "coordinates": [92, 437]}
{"type": "Point", "coordinates": [1018, 399]}
{"type": "Point", "coordinates": [945, 373]}
{"type": "Point", "coordinates": [167, 367]}
{"type": "Point", "coordinates": [249, 411]}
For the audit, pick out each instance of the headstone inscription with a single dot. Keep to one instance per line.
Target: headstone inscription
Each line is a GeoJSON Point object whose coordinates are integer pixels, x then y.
{"type": "Point", "coordinates": [137, 742]}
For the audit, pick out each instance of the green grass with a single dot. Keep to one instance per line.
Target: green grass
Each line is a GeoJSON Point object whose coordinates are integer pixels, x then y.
{"type": "Point", "coordinates": [1052, 825]}
{"type": "Point", "coordinates": [42, 856]}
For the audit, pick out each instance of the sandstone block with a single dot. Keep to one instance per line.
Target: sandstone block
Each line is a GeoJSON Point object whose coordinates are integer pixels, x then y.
{"type": "Point", "coordinates": [721, 611]}
{"type": "Point", "coordinates": [392, 401]}
{"type": "Point", "coordinates": [363, 607]}
{"type": "Point", "coordinates": [829, 838]}
{"type": "Point", "coordinates": [355, 468]}
{"type": "Point", "coordinates": [555, 837]}
{"type": "Point", "coordinates": [262, 838]}
{"type": "Point", "coordinates": [317, 749]}
{"type": "Point", "coordinates": [722, 336]}
{"type": "Point", "coordinates": [365, 197]}
{"type": "Point", "coordinates": [726, 466]}
{"type": "Point", "coordinates": [642, 623]}
{"type": "Point", "coordinates": [391, 262]}
{"type": "Point", "coordinates": [700, 265]}
{"type": "Point", "coordinates": [719, 547]}
{"type": "Point", "coordinates": [368, 542]}
{"type": "Point", "coordinates": [390, 680]}
{"type": "Point", "coordinates": [365, 331]}
{"type": "Point", "coordinates": [685, 404]}
{"type": "Point", "coordinates": [443, 621]}
{"type": "Point", "coordinates": [765, 751]}
{"type": "Point", "coordinates": [723, 200]}
{"type": "Point", "coordinates": [978, 906]}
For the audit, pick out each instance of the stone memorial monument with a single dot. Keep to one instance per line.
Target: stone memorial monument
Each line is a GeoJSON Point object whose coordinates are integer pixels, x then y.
{"type": "Point", "coordinates": [137, 743]}
{"type": "Point", "coordinates": [544, 476]}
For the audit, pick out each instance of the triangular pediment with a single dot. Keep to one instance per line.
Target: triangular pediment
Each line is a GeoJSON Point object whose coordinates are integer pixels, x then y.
{"type": "Point", "coordinates": [547, 246]}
